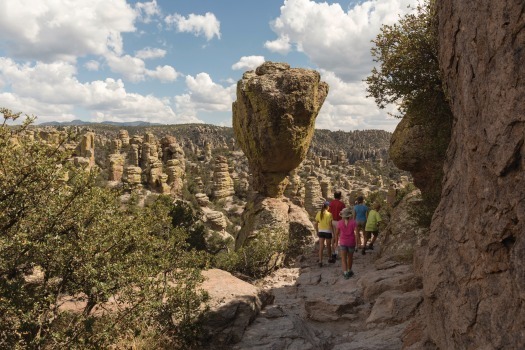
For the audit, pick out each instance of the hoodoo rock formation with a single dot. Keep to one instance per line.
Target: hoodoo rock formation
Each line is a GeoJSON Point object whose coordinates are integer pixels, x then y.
{"type": "Point", "coordinates": [274, 121]}
{"type": "Point", "coordinates": [474, 280]}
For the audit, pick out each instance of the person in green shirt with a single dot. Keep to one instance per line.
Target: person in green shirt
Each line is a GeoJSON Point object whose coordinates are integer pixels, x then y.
{"type": "Point", "coordinates": [372, 225]}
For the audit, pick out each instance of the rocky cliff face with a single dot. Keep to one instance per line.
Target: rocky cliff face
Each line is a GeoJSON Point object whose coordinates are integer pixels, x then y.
{"type": "Point", "coordinates": [474, 283]}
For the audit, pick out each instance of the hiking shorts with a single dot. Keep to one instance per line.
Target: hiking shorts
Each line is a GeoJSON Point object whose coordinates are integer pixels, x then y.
{"type": "Point", "coordinates": [375, 233]}
{"type": "Point", "coordinates": [345, 248]}
{"type": "Point", "coordinates": [326, 235]}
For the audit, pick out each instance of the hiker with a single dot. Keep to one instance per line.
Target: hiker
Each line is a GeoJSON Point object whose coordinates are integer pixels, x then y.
{"type": "Point", "coordinates": [372, 225]}
{"type": "Point", "coordinates": [323, 227]}
{"type": "Point", "coordinates": [335, 208]}
{"type": "Point", "coordinates": [346, 231]}
{"type": "Point", "coordinates": [361, 213]}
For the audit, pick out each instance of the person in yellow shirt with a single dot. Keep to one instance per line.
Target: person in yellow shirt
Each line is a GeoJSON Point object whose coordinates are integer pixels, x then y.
{"type": "Point", "coordinates": [323, 228]}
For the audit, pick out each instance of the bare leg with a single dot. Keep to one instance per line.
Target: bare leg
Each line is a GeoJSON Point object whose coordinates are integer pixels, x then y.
{"type": "Point", "coordinates": [374, 237]}
{"type": "Point", "coordinates": [367, 237]}
{"type": "Point", "coordinates": [321, 248]}
{"type": "Point", "coordinates": [329, 247]}
{"type": "Point", "coordinates": [335, 239]}
{"type": "Point", "coordinates": [334, 243]}
{"type": "Point", "coordinates": [350, 261]}
{"type": "Point", "coordinates": [358, 237]}
{"type": "Point", "coordinates": [344, 255]}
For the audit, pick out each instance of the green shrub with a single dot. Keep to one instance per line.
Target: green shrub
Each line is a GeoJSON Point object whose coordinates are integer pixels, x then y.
{"type": "Point", "coordinates": [258, 258]}
{"type": "Point", "coordinates": [62, 236]}
{"type": "Point", "coordinates": [401, 193]}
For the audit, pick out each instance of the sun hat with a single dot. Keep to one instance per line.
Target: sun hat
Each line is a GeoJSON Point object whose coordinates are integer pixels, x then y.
{"type": "Point", "coordinates": [346, 213]}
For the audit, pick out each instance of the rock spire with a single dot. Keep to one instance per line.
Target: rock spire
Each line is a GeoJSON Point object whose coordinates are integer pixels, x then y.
{"type": "Point", "coordinates": [274, 120]}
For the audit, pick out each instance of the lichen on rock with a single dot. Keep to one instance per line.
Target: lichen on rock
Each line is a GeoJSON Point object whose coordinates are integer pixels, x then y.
{"type": "Point", "coordinates": [274, 121]}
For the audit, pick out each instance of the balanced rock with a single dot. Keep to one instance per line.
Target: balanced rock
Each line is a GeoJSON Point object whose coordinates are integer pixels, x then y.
{"type": "Point", "coordinates": [274, 120]}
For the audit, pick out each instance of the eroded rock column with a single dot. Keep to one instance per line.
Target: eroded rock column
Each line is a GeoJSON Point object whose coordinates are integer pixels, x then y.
{"type": "Point", "coordinates": [274, 120]}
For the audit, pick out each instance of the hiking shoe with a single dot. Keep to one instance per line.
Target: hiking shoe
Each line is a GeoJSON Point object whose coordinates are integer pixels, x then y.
{"type": "Point", "coordinates": [320, 264]}
{"type": "Point", "coordinates": [331, 261]}
{"type": "Point", "coordinates": [370, 247]}
{"type": "Point", "coordinates": [346, 275]}
{"type": "Point", "coordinates": [363, 251]}
{"type": "Point", "coordinates": [334, 257]}
{"type": "Point", "coordinates": [350, 273]}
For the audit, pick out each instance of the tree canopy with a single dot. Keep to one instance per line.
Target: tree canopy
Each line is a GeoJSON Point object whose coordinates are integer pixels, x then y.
{"type": "Point", "coordinates": [408, 62]}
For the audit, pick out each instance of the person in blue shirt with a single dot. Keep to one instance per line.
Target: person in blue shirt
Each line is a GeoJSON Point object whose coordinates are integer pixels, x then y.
{"type": "Point", "coordinates": [361, 214]}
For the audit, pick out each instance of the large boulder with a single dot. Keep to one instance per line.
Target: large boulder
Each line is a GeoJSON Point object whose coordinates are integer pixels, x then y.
{"type": "Point", "coordinates": [234, 304]}
{"type": "Point", "coordinates": [474, 281]}
{"type": "Point", "coordinates": [420, 141]}
{"type": "Point", "coordinates": [274, 121]}
{"type": "Point", "coordinates": [264, 216]}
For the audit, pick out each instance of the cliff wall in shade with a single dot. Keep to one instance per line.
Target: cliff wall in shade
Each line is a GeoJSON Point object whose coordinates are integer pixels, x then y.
{"type": "Point", "coordinates": [474, 280]}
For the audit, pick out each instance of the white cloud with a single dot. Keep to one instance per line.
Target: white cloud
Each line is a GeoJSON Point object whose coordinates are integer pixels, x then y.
{"type": "Point", "coordinates": [64, 30]}
{"type": "Point", "coordinates": [44, 111]}
{"type": "Point", "coordinates": [164, 74]}
{"type": "Point", "coordinates": [52, 92]}
{"type": "Point", "coordinates": [347, 107]}
{"type": "Point", "coordinates": [333, 39]}
{"type": "Point", "coordinates": [92, 65]}
{"type": "Point", "coordinates": [134, 69]}
{"type": "Point", "coordinates": [248, 63]}
{"type": "Point", "coordinates": [147, 10]}
{"type": "Point", "coordinates": [148, 53]}
{"type": "Point", "coordinates": [54, 83]}
{"type": "Point", "coordinates": [206, 25]}
{"type": "Point", "coordinates": [131, 68]}
{"type": "Point", "coordinates": [208, 96]}
{"type": "Point", "coordinates": [280, 45]}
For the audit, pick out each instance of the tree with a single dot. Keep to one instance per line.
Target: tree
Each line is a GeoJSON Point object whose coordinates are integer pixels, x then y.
{"type": "Point", "coordinates": [409, 76]}
{"type": "Point", "coordinates": [63, 238]}
{"type": "Point", "coordinates": [409, 67]}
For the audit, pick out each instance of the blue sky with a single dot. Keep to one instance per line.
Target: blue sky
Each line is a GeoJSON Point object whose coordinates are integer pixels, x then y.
{"type": "Point", "coordinates": [178, 61]}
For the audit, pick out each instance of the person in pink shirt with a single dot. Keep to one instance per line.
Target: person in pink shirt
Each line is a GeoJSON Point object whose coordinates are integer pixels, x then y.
{"type": "Point", "coordinates": [346, 229]}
